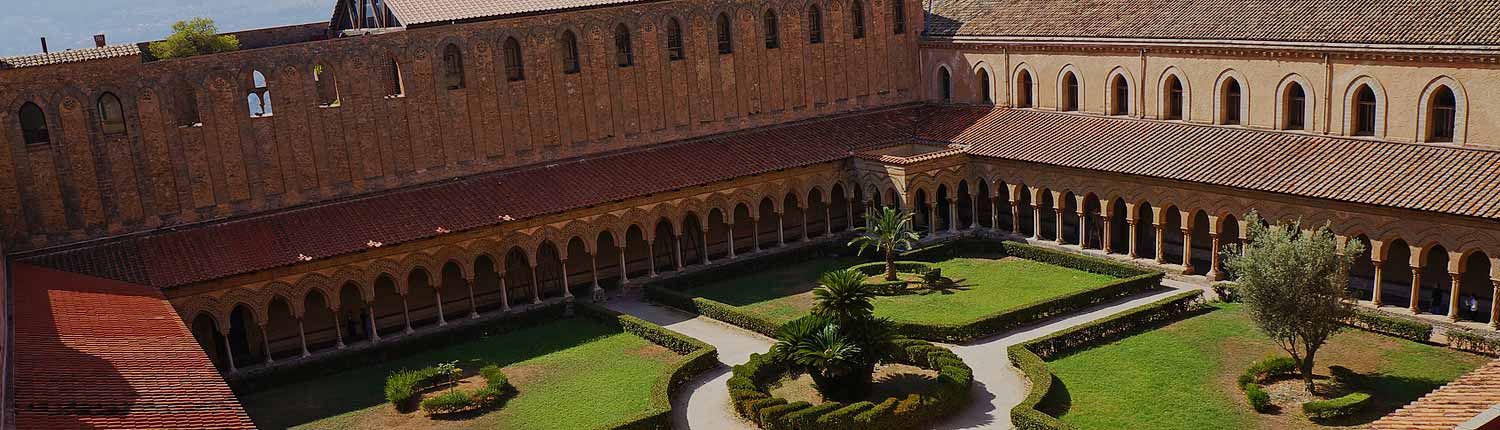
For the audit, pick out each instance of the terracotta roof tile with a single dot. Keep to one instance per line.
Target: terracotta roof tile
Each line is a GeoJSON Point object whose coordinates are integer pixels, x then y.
{"type": "Point", "coordinates": [222, 249]}
{"type": "Point", "coordinates": [1420, 177]}
{"type": "Point", "coordinates": [414, 12]}
{"type": "Point", "coordinates": [101, 354]}
{"type": "Point", "coordinates": [1449, 405]}
{"type": "Point", "coordinates": [69, 56]}
{"type": "Point", "coordinates": [1439, 22]}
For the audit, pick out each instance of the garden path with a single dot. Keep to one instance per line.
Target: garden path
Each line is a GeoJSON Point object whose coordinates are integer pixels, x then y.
{"type": "Point", "coordinates": [998, 386]}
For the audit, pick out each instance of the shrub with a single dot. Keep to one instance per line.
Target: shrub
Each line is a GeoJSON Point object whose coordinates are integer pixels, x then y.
{"type": "Point", "coordinates": [1378, 322]}
{"type": "Point", "coordinates": [806, 418]}
{"type": "Point", "coordinates": [841, 418]}
{"type": "Point", "coordinates": [1073, 261]}
{"type": "Point", "coordinates": [1226, 292]}
{"type": "Point", "coordinates": [755, 406]}
{"type": "Point", "coordinates": [1347, 405]}
{"type": "Point", "coordinates": [1270, 366]}
{"type": "Point", "coordinates": [402, 386]}
{"type": "Point", "coordinates": [1468, 340]}
{"type": "Point", "coordinates": [196, 36]}
{"type": "Point", "coordinates": [1259, 399]}
{"type": "Point", "coordinates": [447, 402]}
{"type": "Point", "coordinates": [876, 415]}
{"type": "Point", "coordinates": [933, 277]}
{"type": "Point", "coordinates": [768, 416]}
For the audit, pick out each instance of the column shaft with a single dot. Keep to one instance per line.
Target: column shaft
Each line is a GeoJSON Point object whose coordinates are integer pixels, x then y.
{"type": "Point", "coordinates": [1379, 279]}
{"type": "Point", "coordinates": [1416, 289]}
{"type": "Point", "coordinates": [302, 336]}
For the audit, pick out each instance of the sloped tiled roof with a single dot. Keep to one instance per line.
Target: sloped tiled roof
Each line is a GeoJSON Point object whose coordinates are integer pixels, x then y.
{"type": "Point", "coordinates": [414, 12]}
{"type": "Point", "coordinates": [1449, 405]}
{"type": "Point", "coordinates": [100, 354]}
{"type": "Point", "coordinates": [213, 251]}
{"type": "Point", "coordinates": [1439, 22]}
{"type": "Point", "coordinates": [1411, 176]}
{"type": "Point", "coordinates": [69, 56]}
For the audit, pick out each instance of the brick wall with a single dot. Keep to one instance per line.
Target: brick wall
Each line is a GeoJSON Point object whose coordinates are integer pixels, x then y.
{"type": "Point", "coordinates": [84, 184]}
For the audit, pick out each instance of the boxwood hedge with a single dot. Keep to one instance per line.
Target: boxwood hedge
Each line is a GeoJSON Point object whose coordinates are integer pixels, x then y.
{"type": "Point", "coordinates": [1347, 405]}
{"type": "Point", "coordinates": [1471, 341]}
{"type": "Point", "coordinates": [1378, 322]}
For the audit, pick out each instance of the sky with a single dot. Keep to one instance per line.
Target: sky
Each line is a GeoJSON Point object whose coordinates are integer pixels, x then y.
{"type": "Point", "coordinates": [73, 23]}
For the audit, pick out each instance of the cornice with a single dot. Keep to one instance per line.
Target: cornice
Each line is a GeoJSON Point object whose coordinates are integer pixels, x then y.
{"type": "Point", "coordinates": [1271, 50]}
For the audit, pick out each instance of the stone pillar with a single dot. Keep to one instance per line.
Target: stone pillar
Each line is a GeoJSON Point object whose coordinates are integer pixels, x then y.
{"type": "Point", "coordinates": [849, 213]}
{"type": "Point", "coordinates": [755, 234]}
{"type": "Point", "coordinates": [228, 352]}
{"type": "Point", "coordinates": [1059, 236]}
{"type": "Point", "coordinates": [536, 287]}
{"type": "Point", "coordinates": [1161, 242]}
{"type": "Point", "coordinates": [338, 331]}
{"type": "Point", "coordinates": [1130, 225]}
{"type": "Point", "coordinates": [651, 257]}
{"type": "Point", "coordinates": [1083, 229]}
{"type": "Point", "coordinates": [505, 294]}
{"type": "Point", "coordinates": [1036, 221]}
{"type": "Point", "coordinates": [1379, 279]}
{"type": "Point", "coordinates": [624, 271]}
{"type": "Point", "coordinates": [1104, 244]}
{"type": "Point", "coordinates": [442, 321]}
{"type": "Point", "coordinates": [1416, 287]}
{"type": "Point", "coordinates": [952, 216]}
{"type": "Point", "coordinates": [265, 344]}
{"type": "Point", "coordinates": [1495, 303]}
{"type": "Point", "coordinates": [566, 285]}
{"type": "Point", "coordinates": [1187, 252]}
{"type": "Point", "coordinates": [1214, 272]}
{"type": "Point", "coordinates": [730, 242]}
{"type": "Point", "coordinates": [473, 304]}
{"type": "Point", "coordinates": [1457, 279]}
{"type": "Point", "coordinates": [828, 220]}
{"type": "Point", "coordinates": [974, 209]}
{"type": "Point", "coordinates": [594, 274]}
{"type": "Point", "coordinates": [406, 315]}
{"type": "Point", "coordinates": [804, 223]}
{"type": "Point", "coordinates": [932, 227]}
{"type": "Point", "coordinates": [374, 325]}
{"type": "Point", "coordinates": [705, 247]}
{"type": "Point", "coordinates": [1015, 218]}
{"type": "Point", "coordinates": [677, 247]}
{"type": "Point", "coordinates": [302, 336]}
{"type": "Point", "coordinates": [780, 229]}
{"type": "Point", "coordinates": [995, 212]}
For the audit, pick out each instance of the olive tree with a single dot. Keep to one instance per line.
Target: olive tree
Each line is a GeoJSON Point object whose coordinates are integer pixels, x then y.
{"type": "Point", "coordinates": [1293, 283]}
{"type": "Point", "coordinates": [196, 36]}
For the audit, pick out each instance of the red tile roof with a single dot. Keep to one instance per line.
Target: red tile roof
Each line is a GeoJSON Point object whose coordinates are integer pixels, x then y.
{"type": "Point", "coordinates": [1450, 405]}
{"type": "Point", "coordinates": [226, 248]}
{"type": "Point", "coordinates": [1440, 22]}
{"type": "Point", "coordinates": [69, 56]}
{"type": "Point", "coordinates": [101, 354]}
{"type": "Point", "coordinates": [414, 12]}
{"type": "Point", "coordinates": [1412, 176]}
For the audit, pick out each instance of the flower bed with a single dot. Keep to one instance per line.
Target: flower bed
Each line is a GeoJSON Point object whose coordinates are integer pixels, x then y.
{"type": "Point", "coordinates": [751, 398]}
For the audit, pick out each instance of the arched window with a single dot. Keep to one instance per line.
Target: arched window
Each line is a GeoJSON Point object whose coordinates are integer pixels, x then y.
{"type": "Point", "coordinates": [814, 24]}
{"type": "Point", "coordinates": [1296, 107]}
{"type": "Point", "coordinates": [984, 86]}
{"type": "Point", "coordinates": [33, 124]}
{"type": "Point", "coordinates": [570, 52]}
{"type": "Point", "coordinates": [623, 57]}
{"type": "Point", "coordinates": [187, 105]}
{"type": "Point", "coordinates": [726, 37]}
{"type": "Point", "coordinates": [857, 12]}
{"type": "Point", "coordinates": [259, 98]}
{"type": "Point", "coordinates": [1023, 89]}
{"type": "Point", "coordinates": [1443, 114]}
{"type": "Point", "coordinates": [773, 30]}
{"type": "Point", "coordinates": [1070, 92]}
{"type": "Point", "coordinates": [1230, 102]}
{"type": "Point", "coordinates": [394, 85]}
{"type": "Point", "coordinates": [945, 84]}
{"type": "Point", "coordinates": [1119, 88]}
{"type": "Point", "coordinates": [111, 115]}
{"type": "Point", "coordinates": [898, 16]}
{"type": "Point", "coordinates": [1364, 111]}
{"type": "Point", "coordinates": [515, 65]}
{"type": "Point", "coordinates": [1174, 98]}
{"type": "Point", "coordinates": [326, 85]}
{"type": "Point", "coordinates": [453, 67]}
{"type": "Point", "coordinates": [674, 40]}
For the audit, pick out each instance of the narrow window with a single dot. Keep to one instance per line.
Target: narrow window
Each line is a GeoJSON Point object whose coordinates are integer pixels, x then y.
{"type": "Point", "coordinates": [773, 30]}
{"type": "Point", "coordinates": [946, 84]}
{"type": "Point", "coordinates": [515, 65]}
{"type": "Point", "coordinates": [111, 115]}
{"type": "Point", "coordinates": [394, 85]}
{"type": "Point", "coordinates": [898, 16]}
{"type": "Point", "coordinates": [674, 40]}
{"type": "Point", "coordinates": [1174, 98]}
{"type": "Point", "coordinates": [857, 11]}
{"type": "Point", "coordinates": [1444, 114]}
{"type": "Point", "coordinates": [33, 124]}
{"type": "Point", "coordinates": [1121, 90]}
{"type": "Point", "coordinates": [1023, 89]}
{"type": "Point", "coordinates": [1364, 111]}
{"type": "Point", "coordinates": [570, 52]}
{"type": "Point", "coordinates": [984, 86]}
{"type": "Point", "coordinates": [1231, 102]}
{"type": "Point", "coordinates": [623, 57]}
{"type": "Point", "coordinates": [369, 14]}
{"type": "Point", "coordinates": [187, 106]}
{"type": "Point", "coordinates": [259, 98]}
{"type": "Point", "coordinates": [1296, 107]}
{"type": "Point", "coordinates": [326, 85]}
{"type": "Point", "coordinates": [726, 39]}
{"type": "Point", "coordinates": [453, 67]}
{"type": "Point", "coordinates": [814, 24]}
{"type": "Point", "coordinates": [1070, 92]}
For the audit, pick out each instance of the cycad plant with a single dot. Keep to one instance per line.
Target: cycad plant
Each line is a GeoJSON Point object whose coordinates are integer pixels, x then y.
{"type": "Point", "coordinates": [887, 230]}
{"type": "Point", "coordinates": [843, 297]}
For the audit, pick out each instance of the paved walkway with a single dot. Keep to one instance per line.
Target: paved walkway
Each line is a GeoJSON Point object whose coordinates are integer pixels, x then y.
{"type": "Point", "coordinates": [998, 386]}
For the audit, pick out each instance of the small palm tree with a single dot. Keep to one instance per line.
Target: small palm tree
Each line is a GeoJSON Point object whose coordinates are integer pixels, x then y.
{"type": "Point", "coordinates": [888, 230]}
{"type": "Point", "coordinates": [830, 357]}
{"type": "Point", "coordinates": [843, 296]}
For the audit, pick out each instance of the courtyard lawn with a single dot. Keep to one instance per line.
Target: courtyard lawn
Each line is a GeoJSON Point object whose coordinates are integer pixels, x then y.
{"type": "Point", "coordinates": [989, 285]}
{"type": "Point", "coordinates": [569, 374]}
{"type": "Point", "coordinates": [1182, 376]}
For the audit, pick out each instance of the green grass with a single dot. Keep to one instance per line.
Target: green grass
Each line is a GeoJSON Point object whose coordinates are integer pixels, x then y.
{"type": "Point", "coordinates": [989, 285]}
{"type": "Point", "coordinates": [569, 374]}
{"type": "Point", "coordinates": [1182, 376]}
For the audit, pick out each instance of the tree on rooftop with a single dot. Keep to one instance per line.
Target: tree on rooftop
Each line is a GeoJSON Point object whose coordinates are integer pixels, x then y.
{"type": "Point", "coordinates": [196, 36]}
{"type": "Point", "coordinates": [1294, 286]}
{"type": "Point", "coordinates": [888, 230]}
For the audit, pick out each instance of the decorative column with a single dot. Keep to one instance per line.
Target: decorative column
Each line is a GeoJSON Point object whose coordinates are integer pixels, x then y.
{"type": "Point", "coordinates": [374, 325]}
{"type": "Point", "coordinates": [849, 213]}
{"type": "Point", "coordinates": [536, 289]}
{"type": "Point", "coordinates": [566, 285]}
{"type": "Point", "coordinates": [505, 294]}
{"type": "Point", "coordinates": [1379, 279]}
{"type": "Point", "coordinates": [755, 234]}
{"type": "Point", "coordinates": [406, 315]}
{"type": "Point", "coordinates": [1161, 242]}
{"type": "Point", "coordinates": [677, 246]}
{"type": "Point", "coordinates": [1416, 288]}
{"type": "Point", "coordinates": [338, 331]}
{"type": "Point", "coordinates": [1457, 279]}
{"type": "Point", "coordinates": [1036, 221]}
{"type": "Point", "coordinates": [1059, 212]}
{"type": "Point", "coordinates": [1130, 223]}
{"type": "Point", "coordinates": [828, 220]}
{"type": "Point", "coordinates": [473, 305]}
{"type": "Point", "coordinates": [974, 209]}
{"type": "Point", "coordinates": [1187, 252]}
{"type": "Point", "coordinates": [1214, 272]}
{"type": "Point", "coordinates": [265, 342]}
{"type": "Point", "coordinates": [804, 224]}
{"type": "Point", "coordinates": [1104, 232]}
{"type": "Point", "coordinates": [228, 352]}
{"type": "Point", "coordinates": [952, 216]}
{"type": "Point", "coordinates": [1015, 218]}
{"type": "Point", "coordinates": [780, 229]}
{"type": "Point", "coordinates": [995, 212]}
{"type": "Point", "coordinates": [731, 240]}
{"type": "Point", "coordinates": [442, 321]}
{"type": "Point", "coordinates": [302, 336]}
{"type": "Point", "coordinates": [705, 247]}
{"type": "Point", "coordinates": [594, 273]}
{"type": "Point", "coordinates": [624, 272]}
{"type": "Point", "coordinates": [1495, 303]}
{"type": "Point", "coordinates": [1083, 228]}
{"type": "Point", "coordinates": [932, 227]}
{"type": "Point", "coordinates": [651, 257]}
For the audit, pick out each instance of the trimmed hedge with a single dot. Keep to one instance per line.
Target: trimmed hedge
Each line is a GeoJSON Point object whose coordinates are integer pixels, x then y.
{"type": "Point", "coordinates": [1259, 400]}
{"type": "Point", "coordinates": [1030, 356]}
{"type": "Point", "coordinates": [1471, 341]}
{"type": "Point", "coordinates": [1392, 326]}
{"type": "Point", "coordinates": [712, 309]}
{"type": "Point", "coordinates": [749, 396]}
{"type": "Point", "coordinates": [1347, 405]}
{"type": "Point", "coordinates": [697, 358]}
{"type": "Point", "coordinates": [1074, 261]}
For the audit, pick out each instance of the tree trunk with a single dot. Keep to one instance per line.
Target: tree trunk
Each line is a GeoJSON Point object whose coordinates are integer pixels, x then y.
{"type": "Point", "coordinates": [890, 264]}
{"type": "Point", "coordinates": [1306, 366]}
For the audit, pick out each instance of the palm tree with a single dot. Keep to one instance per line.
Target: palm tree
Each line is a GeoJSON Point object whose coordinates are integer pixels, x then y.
{"type": "Point", "coordinates": [830, 357]}
{"type": "Point", "coordinates": [888, 230]}
{"type": "Point", "coordinates": [843, 297]}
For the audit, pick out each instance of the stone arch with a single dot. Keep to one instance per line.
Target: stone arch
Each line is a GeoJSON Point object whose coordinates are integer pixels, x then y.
{"type": "Point", "coordinates": [984, 78]}
{"type": "Point", "coordinates": [1161, 91]}
{"type": "Point", "coordinates": [1460, 110]}
{"type": "Point", "coordinates": [274, 289]}
{"type": "Point", "coordinates": [242, 297]}
{"type": "Point", "coordinates": [415, 261]}
{"type": "Point", "coordinates": [452, 253]}
{"type": "Point", "coordinates": [1221, 88]}
{"type": "Point", "coordinates": [1027, 94]}
{"type": "Point", "coordinates": [322, 284]}
{"type": "Point", "coordinates": [384, 267]}
{"type": "Point", "coordinates": [1130, 105]}
{"type": "Point", "coordinates": [1283, 89]}
{"type": "Point", "coordinates": [1381, 105]}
